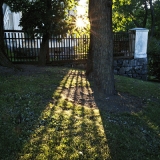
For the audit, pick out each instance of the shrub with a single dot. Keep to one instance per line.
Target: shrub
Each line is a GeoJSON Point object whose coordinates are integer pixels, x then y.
{"type": "Point", "coordinates": [154, 57]}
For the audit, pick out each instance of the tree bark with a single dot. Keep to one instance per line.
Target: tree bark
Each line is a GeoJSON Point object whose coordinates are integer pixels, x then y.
{"type": "Point", "coordinates": [89, 68]}
{"type": "Point", "coordinates": [152, 18]}
{"type": "Point", "coordinates": [4, 61]}
{"type": "Point", "coordinates": [145, 15]}
{"type": "Point", "coordinates": [101, 48]}
{"type": "Point", "coordinates": [44, 49]}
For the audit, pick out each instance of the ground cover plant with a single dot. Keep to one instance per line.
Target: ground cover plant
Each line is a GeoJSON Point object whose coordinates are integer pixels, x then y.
{"type": "Point", "coordinates": [54, 113]}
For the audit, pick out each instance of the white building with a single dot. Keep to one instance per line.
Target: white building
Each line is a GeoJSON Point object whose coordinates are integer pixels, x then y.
{"type": "Point", "coordinates": [11, 19]}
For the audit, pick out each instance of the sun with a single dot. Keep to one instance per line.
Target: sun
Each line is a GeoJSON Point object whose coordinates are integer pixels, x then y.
{"type": "Point", "coordinates": [81, 10]}
{"type": "Point", "coordinates": [82, 2]}
{"type": "Point", "coordinates": [80, 23]}
{"type": "Point", "coordinates": [81, 19]}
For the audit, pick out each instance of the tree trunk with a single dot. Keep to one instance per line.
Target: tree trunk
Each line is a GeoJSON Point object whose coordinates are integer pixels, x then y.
{"type": "Point", "coordinates": [100, 14]}
{"type": "Point", "coordinates": [4, 61]}
{"type": "Point", "coordinates": [146, 14]}
{"type": "Point", "coordinates": [44, 49]}
{"type": "Point", "coordinates": [152, 18]}
{"type": "Point", "coordinates": [89, 68]}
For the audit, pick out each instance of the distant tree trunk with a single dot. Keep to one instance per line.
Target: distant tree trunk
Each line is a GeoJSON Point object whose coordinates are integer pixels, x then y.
{"type": "Point", "coordinates": [4, 61]}
{"type": "Point", "coordinates": [152, 18]}
{"type": "Point", "coordinates": [89, 68]}
{"type": "Point", "coordinates": [145, 15]}
{"type": "Point", "coordinates": [44, 49]}
{"type": "Point", "coordinates": [101, 48]}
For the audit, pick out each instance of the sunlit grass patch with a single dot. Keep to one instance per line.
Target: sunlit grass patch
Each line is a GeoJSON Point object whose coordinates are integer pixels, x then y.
{"type": "Point", "coordinates": [73, 133]}
{"type": "Point", "coordinates": [66, 130]}
{"type": "Point", "coordinates": [74, 78]}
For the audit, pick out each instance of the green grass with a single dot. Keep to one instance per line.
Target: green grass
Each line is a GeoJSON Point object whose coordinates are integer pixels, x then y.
{"type": "Point", "coordinates": [139, 88]}
{"type": "Point", "coordinates": [38, 123]}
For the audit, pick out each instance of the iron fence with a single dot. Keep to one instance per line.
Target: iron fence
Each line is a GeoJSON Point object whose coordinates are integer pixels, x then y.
{"type": "Point", "coordinates": [123, 45]}
{"type": "Point", "coordinates": [20, 47]}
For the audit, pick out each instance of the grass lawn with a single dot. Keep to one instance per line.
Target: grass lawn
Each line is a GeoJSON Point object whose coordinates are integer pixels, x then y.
{"type": "Point", "coordinates": [38, 123]}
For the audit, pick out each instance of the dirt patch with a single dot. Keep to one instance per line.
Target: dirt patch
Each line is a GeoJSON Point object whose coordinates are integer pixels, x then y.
{"type": "Point", "coordinates": [121, 102]}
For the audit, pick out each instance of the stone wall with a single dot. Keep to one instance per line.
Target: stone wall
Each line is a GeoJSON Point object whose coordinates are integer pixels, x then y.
{"type": "Point", "coordinates": [136, 68]}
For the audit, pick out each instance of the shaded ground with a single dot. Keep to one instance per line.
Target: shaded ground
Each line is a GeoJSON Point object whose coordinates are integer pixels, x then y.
{"type": "Point", "coordinates": [121, 102]}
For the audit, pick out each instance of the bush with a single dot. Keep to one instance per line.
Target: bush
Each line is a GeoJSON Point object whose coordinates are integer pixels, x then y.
{"type": "Point", "coordinates": [154, 57]}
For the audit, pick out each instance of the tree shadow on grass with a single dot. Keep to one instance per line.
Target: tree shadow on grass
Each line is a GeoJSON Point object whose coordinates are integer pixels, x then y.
{"type": "Point", "coordinates": [24, 97]}
{"type": "Point", "coordinates": [131, 126]}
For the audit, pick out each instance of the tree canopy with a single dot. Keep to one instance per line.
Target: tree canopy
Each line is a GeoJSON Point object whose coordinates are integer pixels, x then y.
{"type": "Point", "coordinates": [136, 13]}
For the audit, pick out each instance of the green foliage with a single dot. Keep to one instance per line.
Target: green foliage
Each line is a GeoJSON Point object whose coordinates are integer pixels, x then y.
{"type": "Point", "coordinates": [120, 17]}
{"type": "Point", "coordinates": [17, 5]}
{"type": "Point", "coordinates": [128, 14]}
{"type": "Point", "coordinates": [154, 57]}
{"type": "Point", "coordinates": [135, 13]}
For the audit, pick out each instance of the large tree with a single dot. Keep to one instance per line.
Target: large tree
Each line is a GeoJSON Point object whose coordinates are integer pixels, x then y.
{"type": "Point", "coordinates": [101, 47]}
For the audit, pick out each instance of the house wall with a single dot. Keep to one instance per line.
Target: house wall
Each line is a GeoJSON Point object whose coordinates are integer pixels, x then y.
{"type": "Point", "coordinates": [16, 19]}
{"type": "Point", "coordinates": [11, 19]}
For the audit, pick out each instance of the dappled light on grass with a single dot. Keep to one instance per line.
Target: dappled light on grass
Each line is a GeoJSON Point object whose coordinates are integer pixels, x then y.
{"type": "Point", "coordinates": [66, 130]}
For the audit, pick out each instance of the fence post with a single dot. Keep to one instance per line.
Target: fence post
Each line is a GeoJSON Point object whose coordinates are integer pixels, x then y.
{"type": "Point", "coordinates": [139, 45]}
